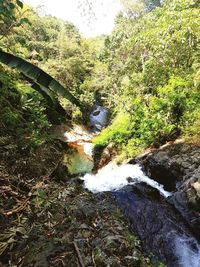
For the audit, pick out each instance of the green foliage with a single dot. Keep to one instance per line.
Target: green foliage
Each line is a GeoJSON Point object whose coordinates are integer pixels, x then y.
{"type": "Point", "coordinates": [147, 71]}
{"type": "Point", "coordinates": [117, 132]}
{"type": "Point", "coordinates": [7, 9]}
{"type": "Point", "coordinates": [155, 119]}
{"type": "Point", "coordinates": [55, 46]}
{"type": "Point", "coordinates": [23, 112]}
{"type": "Point", "coordinates": [192, 125]}
{"type": "Point", "coordinates": [46, 84]}
{"type": "Point", "coordinates": [152, 76]}
{"type": "Point", "coordinates": [11, 16]}
{"type": "Point", "coordinates": [10, 118]}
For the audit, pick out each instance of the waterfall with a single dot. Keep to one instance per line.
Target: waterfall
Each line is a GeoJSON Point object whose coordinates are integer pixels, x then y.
{"type": "Point", "coordinates": [113, 177]}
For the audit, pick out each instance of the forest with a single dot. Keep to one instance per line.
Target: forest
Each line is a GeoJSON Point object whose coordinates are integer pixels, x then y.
{"type": "Point", "coordinates": [146, 73]}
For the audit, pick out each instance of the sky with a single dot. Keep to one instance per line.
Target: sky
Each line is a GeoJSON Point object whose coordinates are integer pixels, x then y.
{"type": "Point", "coordinates": [100, 21]}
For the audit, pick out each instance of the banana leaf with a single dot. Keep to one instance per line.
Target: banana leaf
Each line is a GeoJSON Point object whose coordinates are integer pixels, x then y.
{"type": "Point", "coordinates": [47, 84]}
{"type": "Point", "coordinates": [52, 102]}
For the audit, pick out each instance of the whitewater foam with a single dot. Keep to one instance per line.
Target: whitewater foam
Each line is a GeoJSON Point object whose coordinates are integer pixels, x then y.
{"type": "Point", "coordinates": [187, 251]}
{"type": "Point", "coordinates": [113, 177]}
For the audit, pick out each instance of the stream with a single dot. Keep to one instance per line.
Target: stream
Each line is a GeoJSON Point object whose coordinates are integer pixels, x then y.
{"type": "Point", "coordinates": [162, 230]}
{"type": "Point", "coordinates": [157, 223]}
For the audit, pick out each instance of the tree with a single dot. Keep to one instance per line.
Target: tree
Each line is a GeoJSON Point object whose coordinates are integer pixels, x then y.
{"type": "Point", "coordinates": [137, 8]}
{"type": "Point", "coordinates": [44, 82]}
{"type": "Point", "coordinates": [11, 15]}
{"type": "Point", "coordinates": [152, 60]}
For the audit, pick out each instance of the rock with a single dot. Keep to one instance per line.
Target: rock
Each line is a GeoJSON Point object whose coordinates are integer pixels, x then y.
{"type": "Point", "coordinates": [176, 166]}
{"type": "Point", "coordinates": [107, 155]}
{"type": "Point", "coordinates": [130, 180]}
{"type": "Point", "coordinates": [156, 222]}
{"type": "Point", "coordinates": [196, 186]}
{"type": "Point", "coordinates": [191, 187]}
{"type": "Point", "coordinates": [180, 201]}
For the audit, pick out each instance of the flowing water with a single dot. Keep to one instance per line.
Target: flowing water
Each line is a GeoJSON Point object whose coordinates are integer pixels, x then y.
{"type": "Point", "coordinates": [157, 223]}
{"type": "Point", "coordinates": [188, 251]}
{"type": "Point", "coordinates": [113, 177]}
{"type": "Point", "coordinates": [98, 118]}
{"type": "Point", "coordinates": [144, 201]}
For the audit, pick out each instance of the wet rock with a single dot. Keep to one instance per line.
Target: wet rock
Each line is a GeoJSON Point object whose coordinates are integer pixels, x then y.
{"type": "Point", "coordinates": [130, 180]}
{"type": "Point", "coordinates": [159, 167]}
{"type": "Point", "coordinates": [106, 156]}
{"type": "Point", "coordinates": [192, 189]}
{"type": "Point", "coordinates": [156, 222]}
{"type": "Point", "coordinates": [176, 166]}
{"type": "Point", "coordinates": [180, 201]}
{"type": "Point", "coordinates": [175, 162]}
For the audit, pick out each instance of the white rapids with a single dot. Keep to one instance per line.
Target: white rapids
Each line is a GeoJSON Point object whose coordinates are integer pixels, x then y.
{"type": "Point", "coordinates": [188, 257]}
{"type": "Point", "coordinates": [113, 177]}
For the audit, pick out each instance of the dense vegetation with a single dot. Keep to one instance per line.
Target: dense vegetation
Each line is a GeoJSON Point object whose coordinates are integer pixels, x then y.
{"type": "Point", "coordinates": [150, 68]}
{"type": "Point", "coordinates": [51, 44]}
{"type": "Point", "coordinates": [146, 72]}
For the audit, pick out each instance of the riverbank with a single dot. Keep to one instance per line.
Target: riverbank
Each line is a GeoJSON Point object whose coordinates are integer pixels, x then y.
{"type": "Point", "coordinates": [50, 221]}
{"type": "Point", "coordinates": [166, 222]}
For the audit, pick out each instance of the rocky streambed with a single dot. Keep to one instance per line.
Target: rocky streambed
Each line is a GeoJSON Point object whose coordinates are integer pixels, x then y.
{"type": "Point", "coordinates": [166, 222]}
{"type": "Point", "coordinates": [167, 227]}
{"type": "Point", "coordinates": [161, 202]}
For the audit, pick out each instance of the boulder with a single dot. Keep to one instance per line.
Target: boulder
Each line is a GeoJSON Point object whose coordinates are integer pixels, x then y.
{"type": "Point", "coordinates": [177, 167]}
{"type": "Point", "coordinates": [157, 223]}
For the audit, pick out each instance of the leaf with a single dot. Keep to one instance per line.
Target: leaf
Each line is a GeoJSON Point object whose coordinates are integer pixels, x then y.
{"type": "Point", "coordinates": [19, 3]}
{"type": "Point", "coordinates": [11, 6]}
{"type": "Point", "coordinates": [47, 84]}
{"type": "Point", "coordinates": [24, 20]}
